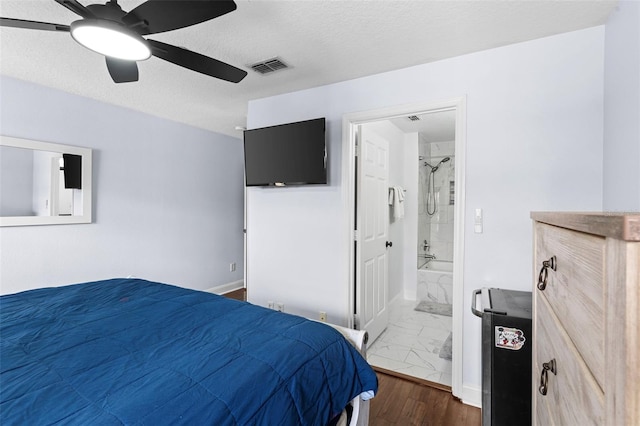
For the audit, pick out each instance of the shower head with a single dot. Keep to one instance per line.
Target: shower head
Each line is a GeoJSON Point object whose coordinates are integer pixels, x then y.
{"type": "Point", "coordinates": [434, 168]}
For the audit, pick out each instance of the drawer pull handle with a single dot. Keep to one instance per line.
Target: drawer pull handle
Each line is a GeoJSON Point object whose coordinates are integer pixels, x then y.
{"type": "Point", "coordinates": [544, 272]}
{"type": "Point", "coordinates": [544, 376]}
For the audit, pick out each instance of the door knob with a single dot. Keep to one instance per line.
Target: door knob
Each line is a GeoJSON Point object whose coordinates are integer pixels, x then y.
{"type": "Point", "coordinates": [388, 244]}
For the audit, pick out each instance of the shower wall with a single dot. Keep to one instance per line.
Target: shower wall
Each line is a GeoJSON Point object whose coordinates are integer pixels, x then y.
{"type": "Point", "coordinates": [436, 229]}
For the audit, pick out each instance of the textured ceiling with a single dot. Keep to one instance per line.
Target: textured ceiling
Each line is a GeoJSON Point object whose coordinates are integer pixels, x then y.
{"type": "Point", "coordinates": [323, 42]}
{"type": "Point", "coordinates": [437, 126]}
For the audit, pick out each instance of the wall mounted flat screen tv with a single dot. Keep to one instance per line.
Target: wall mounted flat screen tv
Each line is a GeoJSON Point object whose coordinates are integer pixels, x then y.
{"type": "Point", "coordinates": [72, 171]}
{"type": "Point", "coordinates": [287, 154]}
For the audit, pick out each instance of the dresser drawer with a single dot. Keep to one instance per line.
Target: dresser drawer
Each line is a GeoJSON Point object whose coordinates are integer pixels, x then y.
{"type": "Point", "coordinates": [575, 289]}
{"type": "Point", "coordinates": [573, 384]}
{"type": "Point", "coordinates": [542, 415]}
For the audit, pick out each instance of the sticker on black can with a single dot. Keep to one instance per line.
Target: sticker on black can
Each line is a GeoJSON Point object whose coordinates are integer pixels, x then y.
{"type": "Point", "coordinates": [509, 338]}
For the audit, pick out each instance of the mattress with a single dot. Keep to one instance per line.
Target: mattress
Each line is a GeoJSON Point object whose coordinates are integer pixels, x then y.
{"type": "Point", "coordinates": [130, 351]}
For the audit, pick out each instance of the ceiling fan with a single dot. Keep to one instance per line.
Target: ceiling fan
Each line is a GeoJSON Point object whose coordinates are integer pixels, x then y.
{"type": "Point", "coordinates": [118, 35]}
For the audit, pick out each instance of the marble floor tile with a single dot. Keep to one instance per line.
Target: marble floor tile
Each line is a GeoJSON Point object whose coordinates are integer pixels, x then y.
{"type": "Point", "coordinates": [406, 368]}
{"type": "Point", "coordinates": [411, 343]}
{"type": "Point", "coordinates": [445, 379]}
{"type": "Point", "coordinates": [434, 333]}
{"type": "Point", "coordinates": [391, 351]}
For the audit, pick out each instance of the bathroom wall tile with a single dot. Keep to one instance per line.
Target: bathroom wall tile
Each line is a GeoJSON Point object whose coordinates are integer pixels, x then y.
{"type": "Point", "coordinates": [439, 249]}
{"type": "Point", "coordinates": [422, 291]}
{"type": "Point", "coordinates": [451, 213]}
{"type": "Point", "coordinates": [445, 291]}
{"type": "Point", "coordinates": [434, 230]}
{"type": "Point", "coordinates": [440, 216]}
{"type": "Point", "coordinates": [448, 253]}
{"type": "Point", "coordinates": [442, 232]}
{"type": "Point", "coordinates": [436, 249]}
{"type": "Point", "coordinates": [443, 192]}
{"type": "Point", "coordinates": [448, 293]}
{"type": "Point", "coordinates": [442, 149]}
{"type": "Point", "coordinates": [432, 293]}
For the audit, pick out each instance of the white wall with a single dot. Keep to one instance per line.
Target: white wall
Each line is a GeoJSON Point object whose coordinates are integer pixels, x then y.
{"type": "Point", "coordinates": [622, 109]}
{"type": "Point", "coordinates": [411, 208]}
{"type": "Point", "coordinates": [534, 142]}
{"type": "Point", "coordinates": [168, 198]}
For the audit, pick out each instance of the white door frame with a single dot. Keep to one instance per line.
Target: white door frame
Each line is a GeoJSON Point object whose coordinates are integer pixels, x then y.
{"type": "Point", "coordinates": [350, 123]}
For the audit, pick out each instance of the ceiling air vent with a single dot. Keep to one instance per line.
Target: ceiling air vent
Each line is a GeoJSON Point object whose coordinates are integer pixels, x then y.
{"type": "Point", "coordinates": [269, 66]}
{"type": "Point", "coordinates": [413, 118]}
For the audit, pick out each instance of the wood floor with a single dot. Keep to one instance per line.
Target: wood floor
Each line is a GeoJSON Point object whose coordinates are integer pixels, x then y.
{"type": "Point", "coordinates": [402, 402]}
{"type": "Point", "coordinates": [240, 294]}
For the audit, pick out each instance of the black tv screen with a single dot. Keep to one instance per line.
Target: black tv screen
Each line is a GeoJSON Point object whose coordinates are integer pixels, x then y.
{"type": "Point", "coordinates": [72, 171]}
{"type": "Point", "coordinates": [287, 154]}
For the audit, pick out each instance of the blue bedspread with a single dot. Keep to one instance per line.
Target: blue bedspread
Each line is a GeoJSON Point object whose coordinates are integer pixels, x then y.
{"type": "Point", "coordinates": [128, 351]}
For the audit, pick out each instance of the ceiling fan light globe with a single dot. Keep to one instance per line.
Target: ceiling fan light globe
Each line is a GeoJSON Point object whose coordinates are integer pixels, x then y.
{"type": "Point", "coordinates": [110, 39]}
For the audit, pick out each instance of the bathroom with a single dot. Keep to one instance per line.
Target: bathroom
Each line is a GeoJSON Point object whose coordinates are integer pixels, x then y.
{"type": "Point", "coordinates": [436, 214]}
{"type": "Point", "coordinates": [418, 339]}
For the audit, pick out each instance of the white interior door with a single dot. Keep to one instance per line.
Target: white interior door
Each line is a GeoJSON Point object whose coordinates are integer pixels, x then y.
{"type": "Point", "coordinates": [372, 275]}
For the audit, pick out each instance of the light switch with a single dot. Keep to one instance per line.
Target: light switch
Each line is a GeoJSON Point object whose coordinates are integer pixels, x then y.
{"type": "Point", "coordinates": [478, 222]}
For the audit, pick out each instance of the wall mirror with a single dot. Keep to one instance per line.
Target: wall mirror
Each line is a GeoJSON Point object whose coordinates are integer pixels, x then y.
{"type": "Point", "coordinates": [43, 183]}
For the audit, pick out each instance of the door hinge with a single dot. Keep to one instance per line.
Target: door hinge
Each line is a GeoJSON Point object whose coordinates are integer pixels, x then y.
{"type": "Point", "coordinates": [356, 235]}
{"type": "Point", "coordinates": [356, 322]}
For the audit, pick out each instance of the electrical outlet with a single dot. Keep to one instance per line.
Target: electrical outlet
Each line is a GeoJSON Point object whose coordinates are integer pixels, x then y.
{"type": "Point", "coordinates": [280, 307]}
{"type": "Point", "coordinates": [232, 267]}
{"type": "Point", "coordinates": [270, 304]}
{"type": "Point", "coordinates": [323, 316]}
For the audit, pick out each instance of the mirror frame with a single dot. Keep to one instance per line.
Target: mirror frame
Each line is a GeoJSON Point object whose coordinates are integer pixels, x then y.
{"type": "Point", "coordinates": [85, 153]}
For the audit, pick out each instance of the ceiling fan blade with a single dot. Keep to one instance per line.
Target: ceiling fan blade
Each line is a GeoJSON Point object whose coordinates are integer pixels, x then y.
{"type": "Point", "coordinates": [157, 16]}
{"type": "Point", "coordinates": [76, 8]}
{"type": "Point", "coordinates": [32, 25]}
{"type": "Point", "coordinates": [196, 62]}
{"type": "Point", "coordinates": [122, 71]}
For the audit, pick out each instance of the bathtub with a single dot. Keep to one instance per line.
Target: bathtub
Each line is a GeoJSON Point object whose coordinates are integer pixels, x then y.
{"type": "Point", "coordinates": [438, 265]}
{"type": "Point", "coordinates": [435, 282]}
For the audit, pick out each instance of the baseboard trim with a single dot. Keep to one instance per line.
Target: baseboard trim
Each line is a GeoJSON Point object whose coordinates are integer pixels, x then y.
{"type": "Point", "coordinates": [226, 288]}
{"type": "Point", "coordinates": [471, 395]}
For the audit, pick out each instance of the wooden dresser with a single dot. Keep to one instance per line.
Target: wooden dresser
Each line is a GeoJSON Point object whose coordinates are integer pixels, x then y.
{"type": "Point", "coordinates": [586, 319]}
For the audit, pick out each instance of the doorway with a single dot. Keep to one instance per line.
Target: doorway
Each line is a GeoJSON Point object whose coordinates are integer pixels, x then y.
{"type": "Point", "coordinates": [352, 126]}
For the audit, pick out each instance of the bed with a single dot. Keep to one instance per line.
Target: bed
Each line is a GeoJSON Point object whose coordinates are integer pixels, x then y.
{"type": "Point", "coordinates": [130, 351]}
